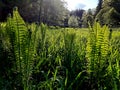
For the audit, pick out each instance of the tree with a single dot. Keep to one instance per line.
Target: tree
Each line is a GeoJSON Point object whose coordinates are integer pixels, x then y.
{"type": "Point", "coordinates": [110, 13]}
{"type": "Point", "coordinates": [115, 13]}
{"type": "Point", "coordinates": [51, 12]}
{"type": "Point", "coordinates": [88, 17]}
{"type": "Point", "coordinates": [99, 6]}
{"type": "Point", "coordinates": [56, 12]}
{"type": "Point", "coordinates": [73, 22]}
{"type": "Point", "coordinates": [78, 13]}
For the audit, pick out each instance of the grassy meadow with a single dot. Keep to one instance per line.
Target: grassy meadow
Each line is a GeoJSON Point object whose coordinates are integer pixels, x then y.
{"type": "Point", "coordinates": [35, 57]}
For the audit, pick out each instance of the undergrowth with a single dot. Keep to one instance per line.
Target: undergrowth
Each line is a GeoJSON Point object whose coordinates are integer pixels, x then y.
{"type": "Point", "coordinates": [32, 57]}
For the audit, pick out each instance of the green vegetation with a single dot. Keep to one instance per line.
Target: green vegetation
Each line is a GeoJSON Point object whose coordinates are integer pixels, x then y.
{"type": "Point", "coordinates": [34, 57]}
{"type": "Point", "coordinates": [108, 12]}
{"type": "Point", "coordinates": [51, 12]}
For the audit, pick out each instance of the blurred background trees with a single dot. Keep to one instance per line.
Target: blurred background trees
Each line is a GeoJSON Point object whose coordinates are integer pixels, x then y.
{"type": "Point", "coordinates": [73, 21]}
{"type": "Point", "coordinates": [55, 12]}
{"type": "Point", "coordinates": [46, 11]}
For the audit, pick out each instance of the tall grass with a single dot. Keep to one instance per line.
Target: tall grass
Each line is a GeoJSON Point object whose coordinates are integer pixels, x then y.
{"type": "Point", "coordinates": [38, 58]}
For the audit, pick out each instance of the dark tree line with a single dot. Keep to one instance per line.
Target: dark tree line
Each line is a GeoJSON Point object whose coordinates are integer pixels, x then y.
{"type": "Point", "coordinates": [6, 7]}
{"type": "Point", "coordinates": [51, 12]}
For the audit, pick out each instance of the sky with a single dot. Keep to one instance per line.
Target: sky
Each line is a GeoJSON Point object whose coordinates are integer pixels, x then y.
{"type": "Point", "coordinates": [81, 4]}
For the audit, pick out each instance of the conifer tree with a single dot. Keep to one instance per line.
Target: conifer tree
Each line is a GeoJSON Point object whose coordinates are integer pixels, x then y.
{"type": "Point", "coordinates": [99, 6]}
{"type": "Point", "coordinates": [109, 13]}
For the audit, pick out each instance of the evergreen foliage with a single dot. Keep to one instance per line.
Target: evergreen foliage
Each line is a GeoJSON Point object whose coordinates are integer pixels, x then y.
{"type": "Point", "coordinates": [109, 13]}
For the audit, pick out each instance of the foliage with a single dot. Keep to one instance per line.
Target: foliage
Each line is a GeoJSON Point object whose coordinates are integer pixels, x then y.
{"type": "Point", "coordinates": [34, 57]}
{"type": "Point", "coordinates": [73, 21]}
{"type": "Point", "coordinates": [109, 13]}
{"type": "Point", "coordinates": [22, 44]}
{"type": "Point", "coordinates": [97, 51]}
{"type": "Point", "coordinates": [78, 13]}
{"type": "Point", "coordinates": [99, 6]}
{"type": "Point", "coordinates": [51, 12]}
{"type": "Point", "coordinates": [88, 17]}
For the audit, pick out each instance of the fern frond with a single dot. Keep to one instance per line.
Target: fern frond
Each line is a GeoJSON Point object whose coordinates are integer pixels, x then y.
{"type": "Point", "coordinates": [22, 40]}
{"type": "Point", "coordinates": [97, 49]}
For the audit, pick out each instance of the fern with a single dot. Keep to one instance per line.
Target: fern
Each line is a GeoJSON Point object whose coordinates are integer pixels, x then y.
{"type": "Point", "coordinates": [23, 43]}
{"type": "Point", "coordinates": [97, 50]}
